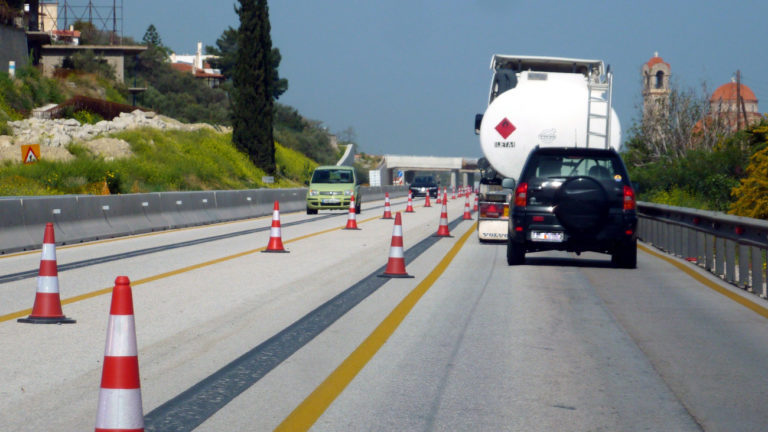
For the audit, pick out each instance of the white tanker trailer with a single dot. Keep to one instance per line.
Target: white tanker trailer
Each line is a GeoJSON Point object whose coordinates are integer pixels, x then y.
{"type": "Point", "coordinates": [538, 101]}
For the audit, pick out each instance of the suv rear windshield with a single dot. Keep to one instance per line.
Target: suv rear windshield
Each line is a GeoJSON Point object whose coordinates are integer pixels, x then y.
{"type": "Point", "coordinates": [332, 176]}
{"type": "Point", "coordinates": [599, 166]}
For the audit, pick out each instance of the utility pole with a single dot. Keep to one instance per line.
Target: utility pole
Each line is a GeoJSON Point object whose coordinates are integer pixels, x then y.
{"type": "Point", "coordinates": [741, 99]}
{"type": "Point", "coordinates": [738, 99]}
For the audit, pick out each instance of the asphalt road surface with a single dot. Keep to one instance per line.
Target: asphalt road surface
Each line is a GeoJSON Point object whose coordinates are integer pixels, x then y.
{"type": "Point", "coordinates": [232, 339]}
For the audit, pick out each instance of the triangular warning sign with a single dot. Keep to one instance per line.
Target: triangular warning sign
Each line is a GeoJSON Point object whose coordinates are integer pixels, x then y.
{"type": "Point", "coordinates": [30, 157]}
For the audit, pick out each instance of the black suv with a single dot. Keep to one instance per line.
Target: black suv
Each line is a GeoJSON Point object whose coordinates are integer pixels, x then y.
{"type": "Point", "coordinates": [424, 185]}
{"type": "Point", "coordinates": [573, 199]}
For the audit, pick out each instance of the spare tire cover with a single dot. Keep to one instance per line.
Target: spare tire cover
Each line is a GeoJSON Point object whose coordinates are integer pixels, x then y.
{"type": "Point", "coordinates": [581, 204]}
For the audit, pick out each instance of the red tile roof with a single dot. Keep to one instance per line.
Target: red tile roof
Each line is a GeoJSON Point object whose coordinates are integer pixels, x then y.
{"type": "Point", "coordinates": [727, 92]}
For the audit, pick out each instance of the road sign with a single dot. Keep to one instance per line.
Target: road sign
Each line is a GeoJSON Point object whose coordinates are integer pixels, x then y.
{"type": "Point", "coordinates": [30, 153]}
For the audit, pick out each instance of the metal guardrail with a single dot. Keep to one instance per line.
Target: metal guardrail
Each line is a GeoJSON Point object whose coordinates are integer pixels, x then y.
{"type": "Point", "coordinates": [731, 247]}
{"type": "Point", "coordinates": [81, 218]}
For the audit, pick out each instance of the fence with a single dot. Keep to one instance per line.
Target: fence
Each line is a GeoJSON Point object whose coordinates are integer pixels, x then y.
{"type": "Point", "coordinates": [732, 247]}
{"type": "Point", "coordinates": [80, 218]}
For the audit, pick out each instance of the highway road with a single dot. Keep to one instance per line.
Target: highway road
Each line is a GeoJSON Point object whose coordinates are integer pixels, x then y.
{"type": "Point", "coordinates": [232, 339]}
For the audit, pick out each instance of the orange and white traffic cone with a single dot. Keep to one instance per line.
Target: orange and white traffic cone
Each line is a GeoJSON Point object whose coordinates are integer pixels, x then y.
{"type": "Point", "coordinates": [475, 207]}
{"type": "Point", "coordinates": [351, 221]}
{"type": "Point", "coordinates": [396, 264]}
{"type": "Point", "coordinates": [426, 201]}
{"type": "Point", "coordinates": [47, 307]}
{"type": "Point", "coordinates": [275, 233]}
{"type": "Point", "coordinates": [438, 200]}
{"type": "Point", "coordinates": [387, 207]}
{"type": "Point", "coordinates": [453, 195]}
{"type": "Point", "coordinates": [120, 406]}
{"type": "Point", "coordinates": [409, 208]}
{"type": "Point", "coordinates": [442, 230]}
{"type": "Point", "coordinates": [467, 214]}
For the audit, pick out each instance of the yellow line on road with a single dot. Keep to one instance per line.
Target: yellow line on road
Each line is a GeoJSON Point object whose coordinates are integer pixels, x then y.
{"type": "Point", "coordinates": [686, 268]}
{"type": "Point", "coordinates": [25, 312]}
{"type": "Point", "coordinates": [307, 413]}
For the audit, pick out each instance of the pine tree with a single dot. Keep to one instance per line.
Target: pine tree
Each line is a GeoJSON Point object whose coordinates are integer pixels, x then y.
{"type": "Point", "coordinates": [252, 80]}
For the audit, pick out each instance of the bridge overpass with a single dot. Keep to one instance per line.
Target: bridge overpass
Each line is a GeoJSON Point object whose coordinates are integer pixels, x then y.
{"type": "Point", "coordinates": [401, 169]}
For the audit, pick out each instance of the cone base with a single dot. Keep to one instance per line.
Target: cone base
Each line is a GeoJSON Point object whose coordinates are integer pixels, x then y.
{"type": "Point", "coordinates": [409, 211]}
{"type": "Point", "coordinates": [358, 229]}
{"type": "Point", "coordinates": [441, 235]}
{"type": "Point", "coordinates": [275, 251]}
{"type": "Point", "coordinates": [46, 320]}
{"type": "Point", "coordinates": [388, 217]}
{"type": "Point", "coordinates": [395, 275]}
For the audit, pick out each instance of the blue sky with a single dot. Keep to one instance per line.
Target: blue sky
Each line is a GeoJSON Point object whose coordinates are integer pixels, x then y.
{"type": "Point", "coordinates": [409, 76]}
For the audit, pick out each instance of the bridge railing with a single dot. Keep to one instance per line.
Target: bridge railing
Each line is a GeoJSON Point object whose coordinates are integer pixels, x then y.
{"type": "Point", "coordinates": [731, 247]}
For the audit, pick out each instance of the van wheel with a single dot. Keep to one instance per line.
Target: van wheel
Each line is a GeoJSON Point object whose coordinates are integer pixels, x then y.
{"type": "Point", "coordinates": [358, 208]}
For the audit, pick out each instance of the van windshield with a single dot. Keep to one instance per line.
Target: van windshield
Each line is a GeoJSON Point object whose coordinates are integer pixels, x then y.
{"type": "Point", "coordinates": [333, 176]}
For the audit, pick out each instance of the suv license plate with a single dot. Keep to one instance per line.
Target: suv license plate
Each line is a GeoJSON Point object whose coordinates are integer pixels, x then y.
{"type": "Point", "coordinates": [331, 201]}
{"type": "Point", "coordinates": [554, 237]}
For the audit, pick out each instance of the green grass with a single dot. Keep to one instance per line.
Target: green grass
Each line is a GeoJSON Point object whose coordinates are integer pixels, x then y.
{"type": "Point", "coordinates": [162, 161]}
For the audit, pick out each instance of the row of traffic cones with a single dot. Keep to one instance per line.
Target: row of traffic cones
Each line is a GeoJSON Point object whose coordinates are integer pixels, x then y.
{"type": "Point", "coordinates": [119, 406]}
{"type": "Point", "coordinates": [120, 403]}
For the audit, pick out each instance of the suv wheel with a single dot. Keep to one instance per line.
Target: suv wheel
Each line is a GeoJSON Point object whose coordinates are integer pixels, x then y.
{"type": "Point", "coordinates": [625, 256]}
{"type": "Point", "coordinates": [358, 208]}
{"type": "Point", "coordinates": [311, 211]}
{"type": "Point", "coordinates": [515, 253]}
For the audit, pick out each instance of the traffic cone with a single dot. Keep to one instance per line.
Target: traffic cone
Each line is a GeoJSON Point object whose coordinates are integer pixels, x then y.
{"type": "Point", "coordinates": [387, 208]}
{"type": "Point", "coordinates": [351, 221]}
{"type": "Point", "coordinates": [467, 214]}
{"type": "Point", "coordinates": [275, 234]}
{"type": "Point", "coordinates": [453, 195]}
{"type": "Point", "coordinates": [396, 264]}
{"type": "Point", "coordinates": [442, 230]}
{"type": "Point", "coordinates": [120, 406]}
{"type": "Point", "coordinates": [409, 208]}
{"type": "Point", "coordinates": [438, 200]}
{"type": "Point", "coordinates": [426, 200]}
{"type": "Point", "coordinates": [47, 307]}
{"type": "Point", "coordinates": [475, 208]}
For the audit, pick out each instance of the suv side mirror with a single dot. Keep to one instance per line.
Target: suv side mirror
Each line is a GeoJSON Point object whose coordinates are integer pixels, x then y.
{"type": "Point", "coordinates": [508, 183]}
{"type": "Point", "coordinates": [478, 122]}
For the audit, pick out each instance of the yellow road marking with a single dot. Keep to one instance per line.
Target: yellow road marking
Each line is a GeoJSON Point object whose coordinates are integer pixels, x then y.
{"type": "Point", "coordinates": [25, 312]}
{"type": "Point", "coordinates": [307, 413]}
{"type": "Point", "coordinates": [760, 310]}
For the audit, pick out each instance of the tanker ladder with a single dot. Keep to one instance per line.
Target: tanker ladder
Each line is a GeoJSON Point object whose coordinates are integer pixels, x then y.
{"type": "Point", "coordinates": [599, 109]}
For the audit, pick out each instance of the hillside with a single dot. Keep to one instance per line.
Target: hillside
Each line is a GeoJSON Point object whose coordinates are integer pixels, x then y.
{"type": "Point", "coordinates": [147, 153]}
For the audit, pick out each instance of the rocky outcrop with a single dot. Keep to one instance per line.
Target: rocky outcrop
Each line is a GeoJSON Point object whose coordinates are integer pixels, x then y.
{"type": "Point", "coordinates": [58, 133]}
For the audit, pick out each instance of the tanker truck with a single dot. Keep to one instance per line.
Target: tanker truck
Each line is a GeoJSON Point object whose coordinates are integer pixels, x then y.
{"type": "Point", "coordinates": [537, 102]}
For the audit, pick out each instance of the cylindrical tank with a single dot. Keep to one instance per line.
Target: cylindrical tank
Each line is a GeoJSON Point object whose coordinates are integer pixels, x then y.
{"type": "Point", "coordinates": [543, 109]}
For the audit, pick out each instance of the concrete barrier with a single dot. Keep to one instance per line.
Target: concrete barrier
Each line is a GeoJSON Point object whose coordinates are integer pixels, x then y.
{"type": "Point", "coordinates": [13, 231]}
{"type": "Point", "coordinates": [81, 218]}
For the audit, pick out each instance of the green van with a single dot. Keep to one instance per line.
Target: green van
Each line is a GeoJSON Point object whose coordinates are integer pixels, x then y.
{"type": "Point", "coordinates": [331, 188]}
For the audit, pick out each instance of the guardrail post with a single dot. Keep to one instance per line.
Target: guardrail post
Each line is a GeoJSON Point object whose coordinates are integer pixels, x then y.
{"type": "Point", "coordinates": [719, 256]}
{"type": "Point", "coordinates": [709, 247]}
{"type": "Point", "coordinates": [700, 246]}
{"type": "Point", "coordinates": [730, 261]}
{"type": "Point", "coordinates": [757, 271]}
{"type": "Point", "coordinates": [743, 266]}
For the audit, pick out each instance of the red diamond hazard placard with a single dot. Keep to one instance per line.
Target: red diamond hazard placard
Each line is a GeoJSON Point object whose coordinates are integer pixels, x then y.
{"type": "Point", "coordinates": [30, 153]}
{"type": "Point", "coordinates": [505, 128]}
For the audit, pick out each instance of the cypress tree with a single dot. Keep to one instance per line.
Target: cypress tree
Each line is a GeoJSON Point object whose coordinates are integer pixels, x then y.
{"type": "Point", "coordinates": [252, 95]}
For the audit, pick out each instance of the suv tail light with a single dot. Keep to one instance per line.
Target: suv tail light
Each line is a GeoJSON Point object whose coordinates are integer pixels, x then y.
{"type": "Point", "coordinates": [629, 199]}
{"type": "Point", "coordinates": [521, 195]}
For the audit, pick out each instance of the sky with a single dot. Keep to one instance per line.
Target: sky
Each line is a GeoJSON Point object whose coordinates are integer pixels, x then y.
{"type": "Point", "coordinates": [408, 76]}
